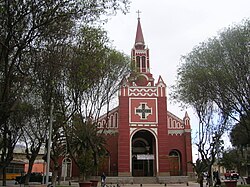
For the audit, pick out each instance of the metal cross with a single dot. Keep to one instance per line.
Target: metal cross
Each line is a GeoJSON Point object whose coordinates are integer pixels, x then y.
{"type": "Point", "coordinates": [138, 12]}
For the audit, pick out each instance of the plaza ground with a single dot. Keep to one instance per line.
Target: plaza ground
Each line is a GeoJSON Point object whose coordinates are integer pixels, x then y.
{"type": "Point", "coordinates": [75, 184]}
{"type": "Point", "coordinates": [11, 183]}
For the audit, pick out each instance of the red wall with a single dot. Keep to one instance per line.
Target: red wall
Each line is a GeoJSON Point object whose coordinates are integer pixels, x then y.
{"type": "Point", "coordinates": [123, 140]}
{"type": "Point", "coordinates": [112, 147]}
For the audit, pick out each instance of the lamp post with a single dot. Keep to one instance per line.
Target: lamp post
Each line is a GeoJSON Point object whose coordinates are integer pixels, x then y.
{"type": "Point", "coordinates": [49, 144]}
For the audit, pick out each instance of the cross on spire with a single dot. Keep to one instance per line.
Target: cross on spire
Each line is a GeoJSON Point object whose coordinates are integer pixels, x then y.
{"type": "Point", "coordinates": [138, 12]}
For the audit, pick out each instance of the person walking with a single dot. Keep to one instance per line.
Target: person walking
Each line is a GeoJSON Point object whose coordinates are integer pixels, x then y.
{"type": "Point", "coordinates": [217, 179]}
{"type": "Point", "coordinates": [103, 180]}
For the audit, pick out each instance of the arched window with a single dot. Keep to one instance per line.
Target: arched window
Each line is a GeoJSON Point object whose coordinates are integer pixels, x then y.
{"type": "Point", "coordinates": [174, 153]}
{"type": "Point", "coordinates": [138, 63]}
{"type": "Point", "coordinates": [170, 122]}
{"type": "Point", "coordinates": [143, 64]}
{"type": "Point", "coordinates": [116, 120]}
{"type": "Point", "coordinates": [66, 168]}
{"type": "Point", "coordinates": [111, 121]}
{"type": "Point", "coordinates": [178, 125]}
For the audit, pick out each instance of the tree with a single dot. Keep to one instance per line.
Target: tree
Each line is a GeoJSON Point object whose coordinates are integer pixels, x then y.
{"type": "Point", "coordinates": [11, 133]}
{"type": "Point", "coordinates": [209, 142]}
{"type": "Point", "coordinates": [240, 135]}
{"type": "Point", "coordinates": [240, 139]}
{"type": "Point", "coordinates": [200, 168]}
{"type": "Point", "coordinates": [214, 80]}
{"type": "Point", "coordinates": [231, 159]}
{"type": "Point", "coordinates": [95, 73]}
{"type": "Point", "coordinates": [23, 27]}
{"type": "Point", "coordinates": [23, 24]}
{"type": "Point", "coordinates": [86, 146]}
{"type": "Point", "coordinates": [34, 137]}
{"type": "Point", "coordinates": [218, 71]}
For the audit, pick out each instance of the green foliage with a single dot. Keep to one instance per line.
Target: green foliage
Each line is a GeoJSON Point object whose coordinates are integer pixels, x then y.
{"type": "Point", "coordinates": [200, 167]}
{"type": "Point", "coordinates": [89, 58]}
{"type": "Point", "coordinates": [217, 71]}
{"type": "Point", "coordinates": [214, 80]}
{"type": "Point", "coordinates": [36, 48]}
{"type": "Point", "coordinates": [94, 60]}
{"type": "Point", "coordinates": [240, 134]}
{"type": "Point", "coordinates": [27, 27]}
{"type": "Point", "coordinates": [85, 144]}
{"type": "Point", "coordinates": [231, 159]}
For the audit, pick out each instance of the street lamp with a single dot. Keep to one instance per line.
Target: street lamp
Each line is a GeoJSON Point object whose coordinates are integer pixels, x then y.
{"type": "Point", "coordinates": [49, 144]}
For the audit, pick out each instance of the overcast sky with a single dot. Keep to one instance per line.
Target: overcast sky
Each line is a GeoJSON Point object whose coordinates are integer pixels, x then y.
{"type": "Point", "coordinates": [171, 28]}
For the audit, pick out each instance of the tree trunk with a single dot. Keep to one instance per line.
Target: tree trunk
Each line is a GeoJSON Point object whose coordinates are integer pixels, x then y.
{"type": "Point", "coordinates": [201, 183]}
{"type": "Point", "coordinates": [59, 177]}
{"type": "Point", "coordinates": [5, 160]}
{"type": "Point", "coordinates": [210, 174]}
{"type": "Point", "coordinates": [4, 176]}
{"type": "Point", "coordinates": [31, 163]}
{"type": "Point", "coordinates": [200, 180]}
{"type": "Point", "coordinates": [54, 177]}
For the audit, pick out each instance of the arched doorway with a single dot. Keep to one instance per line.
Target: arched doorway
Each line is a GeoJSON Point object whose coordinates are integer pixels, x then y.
{"type": "Point", "coordinates": [175, 163]}
{"type": "Point", "coordinates": [143, 154]}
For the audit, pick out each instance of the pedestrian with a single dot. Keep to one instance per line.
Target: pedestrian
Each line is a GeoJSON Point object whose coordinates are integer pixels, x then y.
{"type": "Point", "coordinates": [214, 175]}
{"type": "Point", "coordinates": [217, 179]}
{"type": "Point", "coordinates": [103, 180]}
{"type": "Point", "coordinates": [208, 179]}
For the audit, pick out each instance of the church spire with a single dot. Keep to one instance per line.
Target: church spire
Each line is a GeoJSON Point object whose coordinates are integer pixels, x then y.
{"type": "Point", "coordinates": [139, 40]}
{"type": "Point", "coordinates": [140, 55]}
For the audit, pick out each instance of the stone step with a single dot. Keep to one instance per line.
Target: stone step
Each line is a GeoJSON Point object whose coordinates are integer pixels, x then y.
{"type": "Point", "coordinates": [145, 180]}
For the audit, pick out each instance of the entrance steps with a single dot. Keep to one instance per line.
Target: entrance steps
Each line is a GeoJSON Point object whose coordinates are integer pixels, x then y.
{"type": "Point", "coordinates": [131, 180]}
{"type": "Point", "coordinates": [145, 180]}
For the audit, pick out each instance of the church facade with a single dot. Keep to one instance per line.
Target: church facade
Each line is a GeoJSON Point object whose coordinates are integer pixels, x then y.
{"type": "Point", "coordinates": [143, 137]}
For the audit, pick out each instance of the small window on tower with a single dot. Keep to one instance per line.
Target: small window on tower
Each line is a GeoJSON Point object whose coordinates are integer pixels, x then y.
{"type": "Point", "coordinates": [138, 63]}
{"type": "Point", "coordinates": [143, 64]}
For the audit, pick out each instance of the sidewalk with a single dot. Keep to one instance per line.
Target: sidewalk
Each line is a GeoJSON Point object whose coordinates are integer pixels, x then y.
{"type": "Point", "coordinates": [191, 184]}
{"type": "Point", "coordinates": [75, 184]}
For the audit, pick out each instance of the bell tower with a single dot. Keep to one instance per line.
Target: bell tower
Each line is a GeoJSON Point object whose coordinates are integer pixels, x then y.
{"type": "Point", "coordinates": [141, 75]}
{"type": "Point", "coordinates": [142, 116]}
{"type": "Point", "coordinates": [140, 54]}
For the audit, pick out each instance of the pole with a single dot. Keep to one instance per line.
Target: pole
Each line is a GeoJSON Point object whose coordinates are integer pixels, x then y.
{"type": "Point", "coordinates": [49, 144]}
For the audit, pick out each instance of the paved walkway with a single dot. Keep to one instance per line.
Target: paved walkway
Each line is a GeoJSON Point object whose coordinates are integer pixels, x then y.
{"type": "Point", "coordinates": [191, 184]}
{"type": "Point", "coordinates": [75, 184]}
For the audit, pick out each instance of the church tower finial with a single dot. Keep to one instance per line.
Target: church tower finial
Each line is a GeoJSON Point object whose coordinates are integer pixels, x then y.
{"type": "Point", "coordinates": [139, 40]}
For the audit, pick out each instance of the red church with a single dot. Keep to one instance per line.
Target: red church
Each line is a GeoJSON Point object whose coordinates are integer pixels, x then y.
{"type": "Point", "coordinates": [143, 137]}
